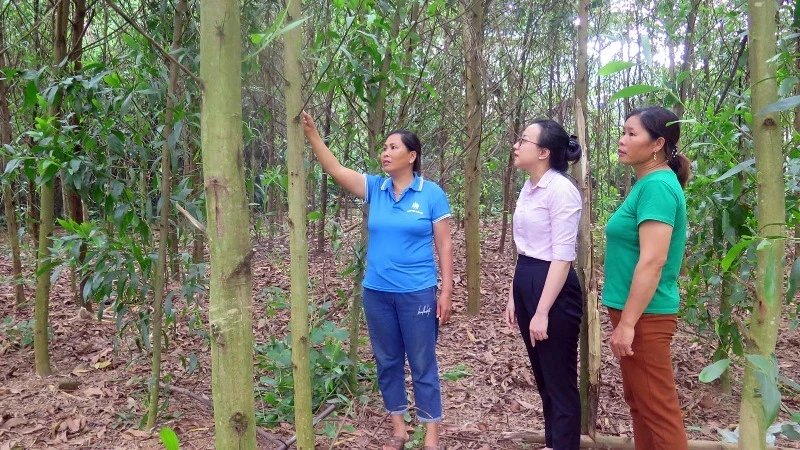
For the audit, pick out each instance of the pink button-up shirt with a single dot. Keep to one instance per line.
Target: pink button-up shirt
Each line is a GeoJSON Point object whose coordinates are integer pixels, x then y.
{"type": "Point", "coordinates": [546, 218]}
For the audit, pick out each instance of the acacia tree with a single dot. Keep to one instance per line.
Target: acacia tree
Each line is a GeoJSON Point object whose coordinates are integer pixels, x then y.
{"type": "Point", "coordinates": [298, 242]}
{"type": "Point", "coordinates": [231, 297]}
{"type": "Point", "coordinates": [164, 222]}
{"type": "Point", "coordinates": [7, 191]}
{"type": "Point", "coordinates": [590, 322]}
{"type": "Point", "coordinates": [771, 214]}
{"type": "Point", "coordinates": [473, 44]}
{"type": "Point", "coordinates": [46, 205]}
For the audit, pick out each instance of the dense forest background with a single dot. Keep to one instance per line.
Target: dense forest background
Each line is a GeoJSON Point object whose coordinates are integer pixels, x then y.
{"type": "Point", "coordinates": [105, 141]}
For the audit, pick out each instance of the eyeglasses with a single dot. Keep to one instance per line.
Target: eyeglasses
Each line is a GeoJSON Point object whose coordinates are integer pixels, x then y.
{"type": "Point", "coordinates": [522, 139]}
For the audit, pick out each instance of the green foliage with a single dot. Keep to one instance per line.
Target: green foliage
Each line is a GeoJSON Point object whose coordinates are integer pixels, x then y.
{"type": "Point", "coordinates": [328, 360]}
{"type": "Point", "coordinates": [169, 439]}
{"type": "Point", "coordinates": [457, 373]}
{"type": "Point", "coordinates": [614, 67]}
{"type": "Point", "coordinates": [766, 371]}
{"type": "Point", "coordinates": [17, 334]}
{"type": "Point", "coordinates": [713, 371]}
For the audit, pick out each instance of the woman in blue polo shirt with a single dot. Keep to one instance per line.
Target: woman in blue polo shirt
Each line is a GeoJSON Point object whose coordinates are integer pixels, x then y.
{"type": "Point", "coordinates": [408, 218]}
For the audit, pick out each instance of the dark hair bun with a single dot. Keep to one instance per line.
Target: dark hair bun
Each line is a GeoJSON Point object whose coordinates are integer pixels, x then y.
{"type": "Point", "coordinates": [573, 149]}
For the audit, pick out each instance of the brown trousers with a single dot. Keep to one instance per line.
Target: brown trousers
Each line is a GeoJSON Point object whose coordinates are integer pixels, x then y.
{"type": "Point", "coordinates": [649, 385]}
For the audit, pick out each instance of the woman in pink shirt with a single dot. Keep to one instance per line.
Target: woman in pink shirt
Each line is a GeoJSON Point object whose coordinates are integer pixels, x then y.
{"type": "Point", "coordinates": [545, 299]}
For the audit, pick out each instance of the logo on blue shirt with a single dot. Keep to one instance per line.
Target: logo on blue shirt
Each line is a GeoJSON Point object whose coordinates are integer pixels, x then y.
{"type": "Point", "coordinates": [415, 208]}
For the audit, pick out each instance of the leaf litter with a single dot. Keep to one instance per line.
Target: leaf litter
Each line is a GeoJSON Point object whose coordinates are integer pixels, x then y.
{"type": "Point", "coordinates": [492, 392]}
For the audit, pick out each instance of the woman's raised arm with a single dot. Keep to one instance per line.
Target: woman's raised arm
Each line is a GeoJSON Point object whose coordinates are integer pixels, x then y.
{"type": "Point", "coordinates": [347, 178]}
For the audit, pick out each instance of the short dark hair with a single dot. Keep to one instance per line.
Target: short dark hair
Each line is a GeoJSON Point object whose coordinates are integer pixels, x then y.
{"type": "Point", "coordinates": [563, 147]}
{"type": "Point", "coordinates": [413, 144]}
{"type": "Point", "coordinates": [660, 122]}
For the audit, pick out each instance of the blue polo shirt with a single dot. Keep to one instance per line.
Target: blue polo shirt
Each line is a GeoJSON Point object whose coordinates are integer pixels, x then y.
{"type": "Point", "coordinates": [400, 247]}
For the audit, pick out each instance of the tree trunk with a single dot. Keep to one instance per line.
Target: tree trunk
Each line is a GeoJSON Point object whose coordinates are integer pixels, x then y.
{"type": "Point", "coordinates": [298, 243]}
{"type": "Point", "coordinates": [231, 281]}
{"type": "Point", "coordinates": [473, 43]}
{"type": "Point", "coordinates": [46, 207]}
{"type": "Point", "coordinates": [323, 194]}
{"type": "Point", "coordinates": [688, 59]}
{"type": "Point", "coordinates": [199, 238]}
{"type": "Point", "coordinates": [7, 190]}
{"type": "Point", "coordinates": [508, 176]}
{"type": "Point", "coordinates": [768, 140]}
{"type": "Point", "coordinates": [164, 222]}
{"type": "Point", "coordinates": [590, 322]}
{"type": "Point", "coordinates": [73, 201]}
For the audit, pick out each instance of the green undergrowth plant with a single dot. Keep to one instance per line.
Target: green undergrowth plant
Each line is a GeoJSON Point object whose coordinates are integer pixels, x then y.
{"type": "Point", "coordinates": [16, 333]}
{"type": "Point", "coordinates": [329, 364]}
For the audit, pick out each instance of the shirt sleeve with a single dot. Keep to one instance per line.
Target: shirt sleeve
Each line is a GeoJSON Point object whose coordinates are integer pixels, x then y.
{"type": "Point", "coordinates": [440, 206]}
{"type": "Point", "coordinates": [657, 201]}
{"type": "Point", "coordinates": [565, 215]}
{"type": "Point", "coordinates": [371, 183]}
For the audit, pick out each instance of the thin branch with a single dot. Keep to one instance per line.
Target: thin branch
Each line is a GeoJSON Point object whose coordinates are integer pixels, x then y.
{"type": "Point", "coordinates": [331, 408]}
{"type": "Point", "coordinates": [35, 26]}
{"type": "Point", "coordinates": [154, 43]}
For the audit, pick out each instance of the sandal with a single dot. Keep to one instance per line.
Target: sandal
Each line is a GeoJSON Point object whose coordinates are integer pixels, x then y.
{"type": "Point", "coordinates": [396, 443]}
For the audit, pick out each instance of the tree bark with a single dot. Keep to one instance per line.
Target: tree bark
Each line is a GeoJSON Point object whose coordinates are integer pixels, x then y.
{"type": "Point", "coordinates": [688, 59]}
{"type": "Point", "coordinates": [590, 322]}
{"type": "Point", "coordinates": [7, 191]}
{"type": "Point", "coordinates": [473, 43]}
{"type": "Point", "coordinates": [164, 222]}
{"type": "Point", "coordinates": [73, 201]}
{"type": "Point", "coordinates": [46, 202]}
{"type": "Point", "coordinates": [768, 140]}
{"type": "Point", "coordinates": [298, 243]}
{"type": "Point", "coordinates": [508, 176]}
{"type": "Point", "coordinates": [323, 194]}
{"type": "Point", "coordinates": [231, 281]}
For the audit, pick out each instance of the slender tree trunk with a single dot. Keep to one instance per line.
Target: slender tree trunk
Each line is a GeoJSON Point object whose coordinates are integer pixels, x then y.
{"type": "Point", "coordinates": [7, 191]}
{"type": "Point", "coordinates": [508, 176]}
{"type": "Point", "coordinates": [688, 58]}
{"type": "Point", "coordinates": [768, 140]}
{"type": "Point", "coordinates": [590, 322]}
{"type": "Point", "coordinates": [196, 177]}
{"type": "Point", "coordinates": [298, 243]}
{"type": "Point", "coordinates": [73, 200]}
{"type": "Point", "coordinates": [323, 194]}
{"type": "Point", "coordinates": [164, 222]}
{"type": "Point", "coordinates": [473, 40]}
{"type": "Point", "coordinates": [46, 202]}
{"type": "Point", "coordinates": [231, 284]}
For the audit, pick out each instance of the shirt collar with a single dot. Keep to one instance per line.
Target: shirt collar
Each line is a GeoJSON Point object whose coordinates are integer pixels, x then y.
{"type": "Point", "coordinates": [416, 184]}
{"type": "Point", "coordinates": [546, 178]}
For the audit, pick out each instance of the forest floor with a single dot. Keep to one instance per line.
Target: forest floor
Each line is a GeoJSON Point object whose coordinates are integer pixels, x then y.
{"type": "Point", "coordinates": [96, 399]}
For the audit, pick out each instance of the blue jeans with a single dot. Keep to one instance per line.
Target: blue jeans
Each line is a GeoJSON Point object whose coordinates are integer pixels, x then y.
{"type": "Point", "coordinates": [400, 325]}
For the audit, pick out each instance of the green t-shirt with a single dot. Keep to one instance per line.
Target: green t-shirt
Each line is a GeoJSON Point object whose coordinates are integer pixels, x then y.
{"type": "Point", "coordinates": [657, 196]}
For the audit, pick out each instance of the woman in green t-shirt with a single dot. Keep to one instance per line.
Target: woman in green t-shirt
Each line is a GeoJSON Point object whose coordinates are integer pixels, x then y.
{"type": "Point", "coordinates": [645, 241]}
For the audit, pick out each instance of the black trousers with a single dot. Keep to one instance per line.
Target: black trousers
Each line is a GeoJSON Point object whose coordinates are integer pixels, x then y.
{"type": "Point", "coordinates": [554, 360]}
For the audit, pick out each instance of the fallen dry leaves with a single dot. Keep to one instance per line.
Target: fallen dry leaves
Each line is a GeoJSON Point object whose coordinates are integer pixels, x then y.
{"type": "Point", "coordinates": [96, 398]}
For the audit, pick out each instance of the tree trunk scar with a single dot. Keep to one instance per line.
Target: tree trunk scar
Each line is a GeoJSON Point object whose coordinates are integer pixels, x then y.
{"type": "Point", "coordinates": [216, 334]}
{"type": "Point", "coordinates": [216, 188]}
{"type": "Point", "coordinates": [241, 268]}
{"type": "Point", "coordinates": [239, 423]}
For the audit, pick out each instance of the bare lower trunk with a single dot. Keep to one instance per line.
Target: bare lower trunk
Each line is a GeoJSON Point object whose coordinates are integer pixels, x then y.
{"type": "Point", "coordinates": [231, 279]}
{"type": "Point", "coordinates": [771, 215]}
{"type": "Point", "coordinates": [473, 43]}
{"type": "Point", "coordinates": [164, 229]}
